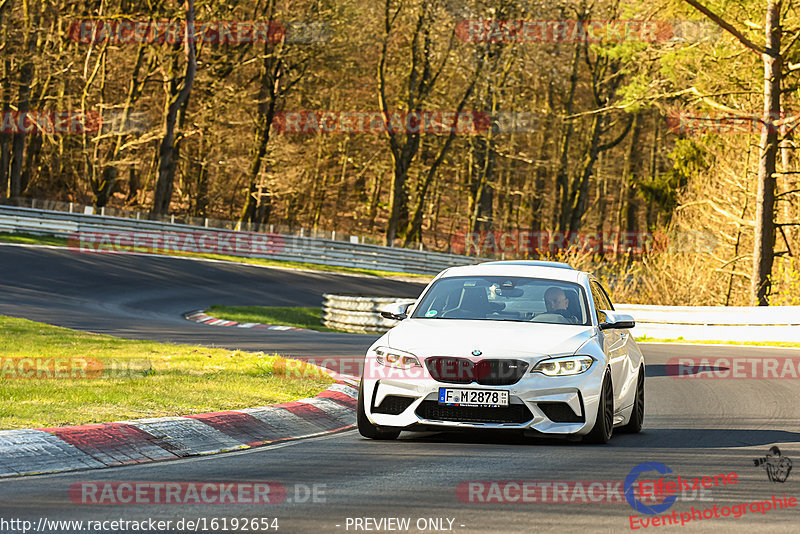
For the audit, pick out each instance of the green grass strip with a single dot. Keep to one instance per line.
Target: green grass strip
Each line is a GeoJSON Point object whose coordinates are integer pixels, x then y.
{"type": "Point", "coordinates": [80, 378]}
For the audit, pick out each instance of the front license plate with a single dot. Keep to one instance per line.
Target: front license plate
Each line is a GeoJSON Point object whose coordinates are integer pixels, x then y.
{"type": "Point", "coordinates": [491, 398]}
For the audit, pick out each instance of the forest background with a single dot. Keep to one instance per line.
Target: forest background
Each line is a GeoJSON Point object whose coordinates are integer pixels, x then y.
{"type": "Point", "coordinates": [651, 142]}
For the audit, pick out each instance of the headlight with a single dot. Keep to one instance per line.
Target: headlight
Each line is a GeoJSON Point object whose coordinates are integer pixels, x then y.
{"type": "Point", "coordinates": [571, 365]}
{"type": "Point", "coordinates": [396, 358]}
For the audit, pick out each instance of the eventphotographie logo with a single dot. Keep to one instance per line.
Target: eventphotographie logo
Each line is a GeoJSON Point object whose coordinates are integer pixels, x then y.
{"type": "Point", "coordinates": [777, 467]}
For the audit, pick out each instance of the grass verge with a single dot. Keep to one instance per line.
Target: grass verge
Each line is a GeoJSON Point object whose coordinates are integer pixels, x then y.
{"type": "Point", "coordinates": [81, 378]}
{"type": "Point", "coordinates": [309, 318]}
{"type": "Point", "coordinates": [30, 239]}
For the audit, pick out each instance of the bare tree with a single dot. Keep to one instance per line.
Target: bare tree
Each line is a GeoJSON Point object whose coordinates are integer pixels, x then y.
{"type": "Point", "coordinates": [169, 143]}
{"type": "Point", "coordinates": [419, 83]}
{"type": "Point", "coordinates": [772, 56]}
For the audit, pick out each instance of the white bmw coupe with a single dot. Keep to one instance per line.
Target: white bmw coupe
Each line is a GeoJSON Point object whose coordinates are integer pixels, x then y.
{"type": "Point", "coordinates": [531, 346]}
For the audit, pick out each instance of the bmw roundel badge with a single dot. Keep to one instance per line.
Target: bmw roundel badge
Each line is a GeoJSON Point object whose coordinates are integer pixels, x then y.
{"type": "Point", "coordinates": [476, 352]}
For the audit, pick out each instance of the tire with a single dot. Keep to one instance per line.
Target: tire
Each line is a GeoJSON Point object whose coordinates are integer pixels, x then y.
{"type": "Point", "coordinates": [365, 427]}
{"type": "Point", "coordinates": [634, 426]}
{"type": "Point", "coordinates": [604, 422]}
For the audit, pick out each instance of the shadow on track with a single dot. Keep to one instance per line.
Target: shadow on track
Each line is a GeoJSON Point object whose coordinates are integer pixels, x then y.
{"type": "Point", "coordinates": [653, 438]}
{"type": "Point", "coordinates": [677, 371]}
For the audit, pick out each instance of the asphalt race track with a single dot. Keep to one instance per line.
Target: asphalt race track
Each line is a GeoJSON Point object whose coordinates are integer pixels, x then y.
{"type": "Point", "coordinates": [144, 297]}
{"type": "Point", "coordinates": [697, 427]}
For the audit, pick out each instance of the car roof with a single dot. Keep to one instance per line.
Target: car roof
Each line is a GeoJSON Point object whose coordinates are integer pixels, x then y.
{"type": "Point", "coordinates": [532, 263]}
{"type": "Point", "coordinates": [522, 268]}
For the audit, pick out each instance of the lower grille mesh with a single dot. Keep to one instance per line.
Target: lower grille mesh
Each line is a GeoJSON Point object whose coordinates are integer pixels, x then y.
{"type": "Point", "coordinates": [559, 412]}
{"type": "Point", "coordinates": [393, 405]}
{"type": "Point", "coordinates": [513, 413]}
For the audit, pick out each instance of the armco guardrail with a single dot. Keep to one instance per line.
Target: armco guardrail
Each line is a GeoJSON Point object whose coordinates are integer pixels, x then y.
{"type": "Point", "coordinates": [721, 323]}
{"type": "Point", "coordinates": [282, 247]}
{"type": "Point", "coordinates": [698, 323]}
{"type": "Point", "coordinates": [357, 314]}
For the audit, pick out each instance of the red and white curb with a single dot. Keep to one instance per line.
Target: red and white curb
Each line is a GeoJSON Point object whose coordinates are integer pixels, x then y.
{"type": "Point", "coordinates": [200, 316]}
{"type": "Point", "coordinates": [69, 448]}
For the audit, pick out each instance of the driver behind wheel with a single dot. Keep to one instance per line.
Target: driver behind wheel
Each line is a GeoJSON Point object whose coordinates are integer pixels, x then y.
{"type": "Point", "coordinates": [556, 301]}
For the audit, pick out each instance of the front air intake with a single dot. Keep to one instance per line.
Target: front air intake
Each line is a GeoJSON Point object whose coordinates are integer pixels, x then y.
{"type": "Point", "coordinates": [511, 414]}
{"type": "Point", "coordinates": [393, 405]}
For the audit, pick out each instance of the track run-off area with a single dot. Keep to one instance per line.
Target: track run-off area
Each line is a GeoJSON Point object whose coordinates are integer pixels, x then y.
{"type": "Point", "coordinates": [432, 482]}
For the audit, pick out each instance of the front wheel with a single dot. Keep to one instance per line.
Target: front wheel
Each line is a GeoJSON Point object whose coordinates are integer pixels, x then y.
{"type": "Point", "coordinates": [365, 427]}
{"type": "Point", "coordinates": [604, 422]}
{"type": "Point", "coordinates": [634, 426]}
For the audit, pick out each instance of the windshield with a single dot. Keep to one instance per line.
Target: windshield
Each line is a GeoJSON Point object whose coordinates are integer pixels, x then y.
{"type": "Point", "coordinates": [497, 298]}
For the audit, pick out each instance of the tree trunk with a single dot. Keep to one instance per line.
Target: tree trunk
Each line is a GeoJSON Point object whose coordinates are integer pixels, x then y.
{"type": "Point", "coordinates": [5, 138]}
{"type": "Point", "coordinates": [18, 139]}
{"type": "Point", "coordinates": [419, 82]}
{"type": "Point", "coordinates": [576, 206]}
{"type": "Point", "coordinates": [764, 242]}
{"type": "Point", "coordinates": [256, 209]}
{"type": "Point", "coordinates": [167, 151]}
{"type": "Point", "coordinates": [561, 211]}
{"type": "Point", "coordinates": [398, 196]}
{"type": "Point", "coordinates": [414, 228]}
{"type": "Point", "coordinates": [627, 212]}
{"type": "Point", "coordinates": [481, 170]}
{"type": "Point", "coordinates": [32, 159]}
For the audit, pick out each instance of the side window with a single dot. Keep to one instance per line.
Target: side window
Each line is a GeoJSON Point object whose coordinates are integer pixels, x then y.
{"type": "Point", "coordinates": [607, 298]}
{"type": "Point", "coordinates": [601, 302]}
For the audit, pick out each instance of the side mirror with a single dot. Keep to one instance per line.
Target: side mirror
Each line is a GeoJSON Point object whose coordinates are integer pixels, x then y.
{"type": "Point", "coordinates": [618, 321]}
{"type": "Point", "coordinates": [396, 311]}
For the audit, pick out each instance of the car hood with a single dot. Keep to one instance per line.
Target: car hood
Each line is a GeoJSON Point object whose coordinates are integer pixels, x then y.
{"type": "Point", "coordinates": [494, 339]}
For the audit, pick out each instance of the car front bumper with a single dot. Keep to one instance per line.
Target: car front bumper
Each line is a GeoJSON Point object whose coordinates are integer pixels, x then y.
{"type": "Point", "coordinates": [529, 399]}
